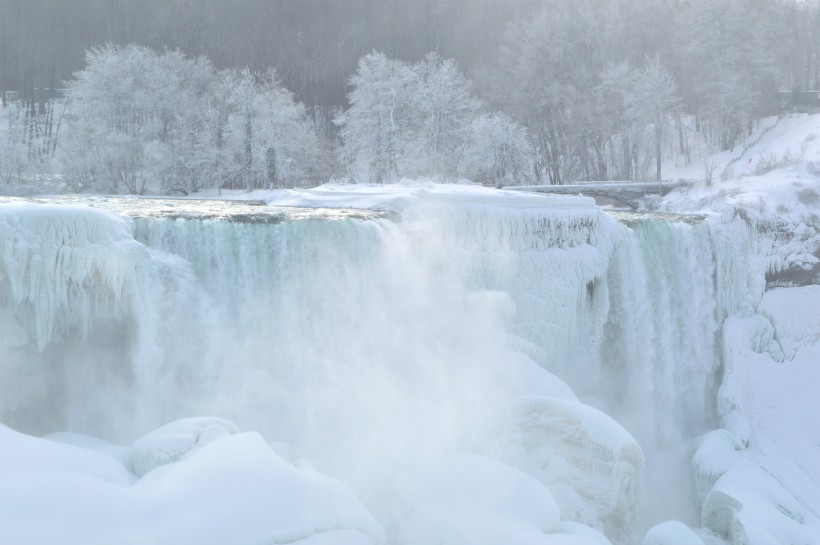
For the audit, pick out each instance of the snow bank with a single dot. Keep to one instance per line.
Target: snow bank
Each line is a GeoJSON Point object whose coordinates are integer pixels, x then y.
{"type": "Point", "coordinates": [172, 442]}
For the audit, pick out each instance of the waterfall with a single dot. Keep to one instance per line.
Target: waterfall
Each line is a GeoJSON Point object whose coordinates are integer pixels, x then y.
{"type": "Point", "coordinates": [548, 338]}
{"type": "Point", "coordinates": [660, 358]}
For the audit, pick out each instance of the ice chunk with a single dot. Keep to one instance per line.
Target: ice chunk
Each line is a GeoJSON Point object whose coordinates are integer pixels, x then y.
{"type": "Point", "coordinates": [793, 311]}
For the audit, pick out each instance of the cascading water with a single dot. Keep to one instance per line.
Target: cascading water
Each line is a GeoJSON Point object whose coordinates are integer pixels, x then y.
{"type": "Point", "coordinates": [660, 359]}
{"type": "Point", "coordinates": [368, 344]}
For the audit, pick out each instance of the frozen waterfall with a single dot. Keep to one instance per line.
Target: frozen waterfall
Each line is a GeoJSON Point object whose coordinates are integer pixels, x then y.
{"type": "Point", "coordinates": [552, 350]}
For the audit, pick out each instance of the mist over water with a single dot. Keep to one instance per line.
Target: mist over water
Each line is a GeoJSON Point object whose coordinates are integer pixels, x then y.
{"type": "Point", "coordinates": [371, 346]}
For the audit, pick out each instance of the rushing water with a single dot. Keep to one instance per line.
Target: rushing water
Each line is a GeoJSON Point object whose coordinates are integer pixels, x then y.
{"type": "Point", "coordinates": [363, 339]}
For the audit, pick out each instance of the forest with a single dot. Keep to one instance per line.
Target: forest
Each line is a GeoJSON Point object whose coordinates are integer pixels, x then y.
{"type": "Point", "coordinates": [182, 95]}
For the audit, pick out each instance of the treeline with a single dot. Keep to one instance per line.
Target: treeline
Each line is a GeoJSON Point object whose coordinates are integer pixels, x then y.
{"type": "Point", "coordinates": [313, 44]}
{"type": "Point", "coordinates": [544, 91]}
{"type": "Point", "coordinates": [138, 121]}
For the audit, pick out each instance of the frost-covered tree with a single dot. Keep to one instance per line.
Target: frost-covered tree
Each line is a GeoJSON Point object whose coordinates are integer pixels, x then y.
{"type": "Point", "coordinates": [119, 116]}
{"type": "Point", "coordinates": [442, 108]}
{"type": "Point", "coordinates": [13, 157]}
{"type": "Point", "coordinates": [184, 137]}
{"type": "Point", "coordinates": [145, 122]}
{"type": "Point", "coordinates": [497, 151]}
{"type": "Point", "coordinates": [729, 79]}
{"type": "Point", "coordinates": [212, 151]}
{"type": "Point", "coordinates": [625, 130]}
{"type": "Point", "coordinates": [406, 120]}
{"type": "Point", "coordinates": [549, 71]}
{"type": "Point", "coordinates": [274, 144]}
{"type": "Point", "coordinates": [375, 127]}
{"type": "Point", "coordinates": [28, 138]}
{"type": "Point", "coordinates": [653, 98]}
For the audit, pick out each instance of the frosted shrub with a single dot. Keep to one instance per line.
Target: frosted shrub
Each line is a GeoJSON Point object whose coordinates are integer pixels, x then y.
{"type": "Point", "coordinates": [497, 151]}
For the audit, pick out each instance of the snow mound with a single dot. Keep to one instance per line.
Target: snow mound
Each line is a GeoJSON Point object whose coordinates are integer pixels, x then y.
{"type": "Point", "coordinates": [231, 488]}
{"type": "Point", "coordinates": [119, 453]}
{"type": "Point", "coordinates": [748, 506]}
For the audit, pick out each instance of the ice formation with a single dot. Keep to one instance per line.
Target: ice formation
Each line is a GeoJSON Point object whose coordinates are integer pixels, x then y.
{"type": "Point", "coordinates": [538, 349]}
{"type": "Point", "coordinates": [63, 267]}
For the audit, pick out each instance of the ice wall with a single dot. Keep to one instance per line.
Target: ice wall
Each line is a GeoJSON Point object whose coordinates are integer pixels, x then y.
{"type": "Point", "coordinates": [69, 288]}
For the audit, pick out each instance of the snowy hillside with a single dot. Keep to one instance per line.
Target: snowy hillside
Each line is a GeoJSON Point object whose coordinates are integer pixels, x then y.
{"type": "Point", "coordinates": [774, 183]}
